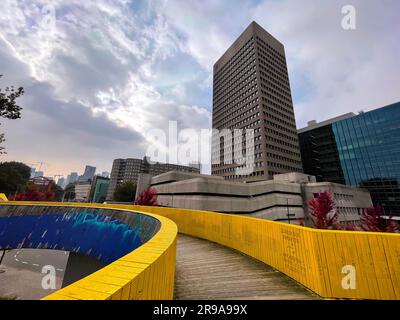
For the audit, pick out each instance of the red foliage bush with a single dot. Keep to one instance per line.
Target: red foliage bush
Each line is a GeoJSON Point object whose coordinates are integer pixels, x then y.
{"type": "Point", "coordinates": [323, 211]}
{"type": "Point", "coordinates": [349, 226]}
{"type": "Point", "coordinates": [147, 198]}
{"type": "Point", "coordinates": [372, 219]}
{"type": "Point", "coordinates": [33, 195]}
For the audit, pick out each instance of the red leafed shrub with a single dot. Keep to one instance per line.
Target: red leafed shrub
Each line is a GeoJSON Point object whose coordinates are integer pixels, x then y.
{"type": "Point", "coordinates": [147, 198]}
{"type": "Point", "coordinates": [349, 226]}
{"type": "Point", "coordinates": [323, 211]}
{"type": "Point", "coordinates": [33, 196]}
{"type": "Point", "coordinates": [372, 219]}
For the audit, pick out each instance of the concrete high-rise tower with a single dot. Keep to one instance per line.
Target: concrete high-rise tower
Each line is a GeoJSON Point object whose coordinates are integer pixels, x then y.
{"type": "Point", "coordinates": [251, 91]}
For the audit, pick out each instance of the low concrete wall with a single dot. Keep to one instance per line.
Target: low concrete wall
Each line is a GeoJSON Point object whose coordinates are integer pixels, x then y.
{"type": "Point", "coordinates": [282, 199]}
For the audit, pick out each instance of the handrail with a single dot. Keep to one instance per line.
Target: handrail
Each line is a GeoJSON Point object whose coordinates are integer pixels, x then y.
{"type": "Point", "coordinates": [333, 264]}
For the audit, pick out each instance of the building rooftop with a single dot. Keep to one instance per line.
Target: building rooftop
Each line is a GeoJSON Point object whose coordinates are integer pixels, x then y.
{"type": "Point", "coordinates": [253, 28]}
{"type": "Point", "coordinates": [313, 124]}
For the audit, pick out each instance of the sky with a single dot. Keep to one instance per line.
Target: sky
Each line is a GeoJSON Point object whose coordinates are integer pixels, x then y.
{"type": "Point", "coordinates": [99, 75]}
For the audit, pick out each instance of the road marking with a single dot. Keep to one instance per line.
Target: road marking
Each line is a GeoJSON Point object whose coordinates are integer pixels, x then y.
{"type": "Point", "coordinates": [35, 264]}
{"type": "Point", "coordinates": [16, 255]}
{"type": "Point", "coordinates": [24, 262]}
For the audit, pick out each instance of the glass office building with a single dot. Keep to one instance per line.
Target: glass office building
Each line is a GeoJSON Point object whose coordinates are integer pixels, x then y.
{"type": "Point", "coordinates": [368, 149]}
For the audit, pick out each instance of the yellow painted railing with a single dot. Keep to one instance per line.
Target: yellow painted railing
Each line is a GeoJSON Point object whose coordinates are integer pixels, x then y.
{"type": "Point", "coordinates": [314, 258]}
{"type": "Point", "coordinates": [146, 273]}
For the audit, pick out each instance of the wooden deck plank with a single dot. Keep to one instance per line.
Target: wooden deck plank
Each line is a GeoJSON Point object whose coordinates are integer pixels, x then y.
{"type": "Point", "coordinates": [209, 271]}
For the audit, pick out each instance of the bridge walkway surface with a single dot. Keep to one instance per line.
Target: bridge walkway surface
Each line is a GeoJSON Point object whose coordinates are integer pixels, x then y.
{"type": "Point", "coordinates": [209, 271]}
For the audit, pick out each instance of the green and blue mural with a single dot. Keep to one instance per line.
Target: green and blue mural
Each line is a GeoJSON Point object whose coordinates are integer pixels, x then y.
{"type": "Point", "coordinates": [104, 234]}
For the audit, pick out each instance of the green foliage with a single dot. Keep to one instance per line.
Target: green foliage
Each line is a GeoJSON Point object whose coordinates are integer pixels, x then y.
{"type": "Point", "coordinates": [8, 106]}
{"type": "Point", "coordinates": [58, 193]}
{"type": "Point", "coordinates": [125, 192]}
{"type": "Point", "coordinates": [14, 177]}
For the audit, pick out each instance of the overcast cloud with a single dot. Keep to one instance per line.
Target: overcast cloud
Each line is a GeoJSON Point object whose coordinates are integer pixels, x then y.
{"type": "Point", "coordinates": [112, 70]}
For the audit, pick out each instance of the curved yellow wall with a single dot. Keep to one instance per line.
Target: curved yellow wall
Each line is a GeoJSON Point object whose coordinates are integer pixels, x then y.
{"type": "Point", "coordinates": [146, 273]}
{"type": "Point", "coordinates": [314, 258]}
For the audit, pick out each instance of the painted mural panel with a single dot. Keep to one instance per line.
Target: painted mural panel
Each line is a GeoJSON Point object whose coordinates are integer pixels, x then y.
{"type": "Point", "coordinates": [104, 234]}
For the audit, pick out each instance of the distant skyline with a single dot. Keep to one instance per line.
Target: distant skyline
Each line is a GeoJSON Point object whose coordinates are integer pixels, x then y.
{"type": "Point", "coordinates": [80, 172]}
{"type": "Point", "coordinates": [111, 70]}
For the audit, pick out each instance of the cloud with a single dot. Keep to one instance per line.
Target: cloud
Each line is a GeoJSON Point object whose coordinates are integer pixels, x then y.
{"type": "Point", "coordinates": [95, 83]}
{"type": "Point", "coordinates": [332, 69]}
{"type": "Point", "coordinates": [108, 71]}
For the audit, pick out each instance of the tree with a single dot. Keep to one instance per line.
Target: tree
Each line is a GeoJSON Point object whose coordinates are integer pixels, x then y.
{"type": "Point", "coordinates": [58, 193]}
{"type": "Point", "coordinates": [323, 211]}
{"type": "Point", "coordinates": [69, 193]}
{"type": "Point", "coordinates": [8, 106]}
{"type": "Point", "coordinates": [14, 177]}
{"type": "Point", "coordinates": [147, 198]}
{"type": "Point", "coordinates": [373, 219]}
{"type": "Point", "coordinates": [125, 192]}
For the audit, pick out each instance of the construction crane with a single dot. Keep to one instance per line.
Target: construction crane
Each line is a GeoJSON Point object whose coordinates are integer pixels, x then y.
{"type": "Point", "coordinates": [33, 165]}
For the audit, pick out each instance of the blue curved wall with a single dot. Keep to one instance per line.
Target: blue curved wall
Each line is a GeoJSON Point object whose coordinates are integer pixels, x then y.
{"type": "Point", "coordinates": [104, 234]}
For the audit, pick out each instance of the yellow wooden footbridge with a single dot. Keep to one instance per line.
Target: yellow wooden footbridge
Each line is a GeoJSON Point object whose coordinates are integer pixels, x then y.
{"type": "Point", "coordinates": [315, 263]}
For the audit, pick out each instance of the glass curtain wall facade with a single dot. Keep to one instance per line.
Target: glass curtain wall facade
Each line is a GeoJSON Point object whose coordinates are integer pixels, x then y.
{"type": "Point", "coordinates": [369, 151]}
{"type": "Point", "coordinates": [320, 155]}
{"type": "Point", "coordinates": [358, 150]}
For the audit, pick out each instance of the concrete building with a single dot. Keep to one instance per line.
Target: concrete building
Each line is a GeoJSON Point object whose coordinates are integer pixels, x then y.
{"type": "Point", "coordinates": [251, 91]}
{"type": "Point", "coordinates": [282, 199]}
{"type": "Point", "coordinates": [82, 191]}
{"type": "Point", "coordinates": [129, 169]}
{"type": "Point", "coordinates": [42, 184]}
{"type": "Point", "coordinates": [61, 182]}
{"type": "Point", "coordinates": [358, 150]}
{"type": "Point", "coordinates": [38, 174]}
{"type": "Point", "coordinates": [88, 174]}
{"type": "Point", "coordinates": [71, 178]}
